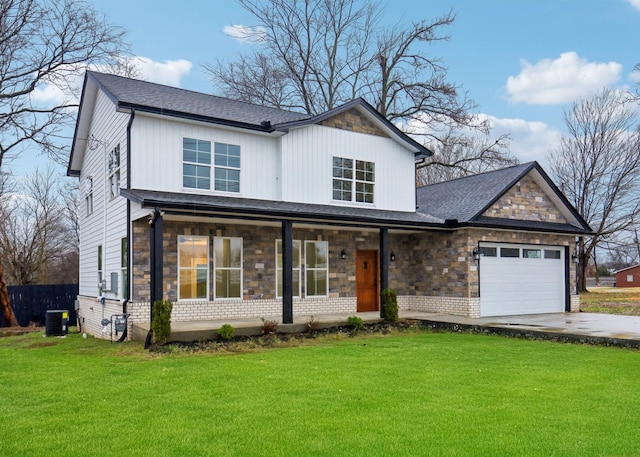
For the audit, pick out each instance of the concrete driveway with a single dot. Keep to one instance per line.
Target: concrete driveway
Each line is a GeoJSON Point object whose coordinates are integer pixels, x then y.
{"type": "Point", "coordinates": [594, 328]}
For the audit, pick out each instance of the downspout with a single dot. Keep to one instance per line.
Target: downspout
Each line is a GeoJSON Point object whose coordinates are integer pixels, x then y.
{"type": "Point", "coordinates": [129, 244]}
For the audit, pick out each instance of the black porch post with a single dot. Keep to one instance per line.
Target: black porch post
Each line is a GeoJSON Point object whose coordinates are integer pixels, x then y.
{"type": "Point", "coordinates": [156, 259]}
{"type": "Point", "coordinates": [384, 264]}
{"type": "Point", "coordinates": [287, 272]}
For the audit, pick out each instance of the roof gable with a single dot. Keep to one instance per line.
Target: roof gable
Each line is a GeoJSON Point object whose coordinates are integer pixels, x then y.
{"type": "Point", "coordinates": [497, 198]}
{"type": "Point", "coordinates": [354, 121]}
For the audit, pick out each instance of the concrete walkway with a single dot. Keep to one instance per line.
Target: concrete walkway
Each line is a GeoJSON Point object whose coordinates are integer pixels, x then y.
{"type": "Point", "coordinates": [604, 329]}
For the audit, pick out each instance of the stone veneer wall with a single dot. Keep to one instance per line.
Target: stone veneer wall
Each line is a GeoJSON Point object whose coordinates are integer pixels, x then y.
{"type": "Point", "coordinates": [354, 121]}
{"type": "Point", "coordinates": [526, 201]}
{"type": "Point", "coordinates": [433, 271]}
{"type": "Point", "coordinates": [259, 273]}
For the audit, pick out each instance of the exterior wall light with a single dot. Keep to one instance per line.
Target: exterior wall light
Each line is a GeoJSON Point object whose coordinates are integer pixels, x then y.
{"type": "Point", "coordinates": [392, 257]}
{"type": "Point", "coordinates": [343, 255]}
{"type": "Point", "coordinates": [575, 258]}
{"type": "Point", "coordinates": [475, 255]}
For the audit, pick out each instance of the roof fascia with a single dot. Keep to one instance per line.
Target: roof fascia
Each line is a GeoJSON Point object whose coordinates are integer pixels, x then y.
{"type": "Point", "coordinates": [128, 107]}
{"type": "Point", "coordinates": [261, 214]}
{"type": "Point", "coordinates": [81, 130]}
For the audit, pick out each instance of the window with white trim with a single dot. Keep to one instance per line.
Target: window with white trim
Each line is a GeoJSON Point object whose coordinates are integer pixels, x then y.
{"type": "Point", "coordinates": [196, 163]}
{"type": "Point", "coordinates": [316, 255]}
{"type": "Point", "coordinates": [100, 288]}
{"type": "Point", "coordinates": [113, 162]}
{"type": "Point", "coordinates": [193, 267]}
{"type": "Point", "coordinates": [227, 167]}
{"type": "Point", "coordinates": [297, 245]}
{"type": "Point", "coordinates": [353, 180]}
{"type": "Point", "coordinates": [89, 198]}
{"type": "Point", "coordinates": [227, 267]}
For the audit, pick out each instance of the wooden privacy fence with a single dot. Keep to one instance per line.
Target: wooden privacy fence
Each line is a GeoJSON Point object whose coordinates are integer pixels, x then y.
{"type": "Point", "coordinates": [30, 303]}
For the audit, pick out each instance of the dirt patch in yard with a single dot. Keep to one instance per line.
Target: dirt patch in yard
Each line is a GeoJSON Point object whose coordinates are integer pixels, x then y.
{"type": "Point", "coordinates": [611, 300]}
{"type": "Point", "coordinates": [15, 331]}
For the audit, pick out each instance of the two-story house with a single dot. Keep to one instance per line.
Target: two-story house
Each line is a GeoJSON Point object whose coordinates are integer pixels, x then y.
{"type": "Point", "coordinates": [234, 210]}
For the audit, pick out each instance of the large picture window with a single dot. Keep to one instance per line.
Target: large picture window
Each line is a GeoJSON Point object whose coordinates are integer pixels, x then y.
{"type": "Point", "coordinates": [353, 180]}
{"type": "Point", "coordinates": [227, 167]}
{"type": "Point", "coordinates": [193, 261]}
{"type": "Point", "coordinates": [196, 166]}
{"type": "Point", "coordinates": [316, 268]}
{"type": "Point", "coordinates": [228, 267]}
{"type": "Point", "coordinates": [296, 268]}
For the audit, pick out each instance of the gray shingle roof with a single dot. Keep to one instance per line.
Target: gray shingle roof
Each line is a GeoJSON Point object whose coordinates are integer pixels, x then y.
{"type": "Point", "coordinates": [128, 92]}
{"type": "Point", "coordinates": [277, 209]}
{"type": "Point", "coordinates": [466, 198]}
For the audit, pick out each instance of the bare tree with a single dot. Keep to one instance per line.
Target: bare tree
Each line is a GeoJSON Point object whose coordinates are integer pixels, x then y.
{"type": "Point", "coordinates": [598, 165]}
{"type": "Point", "coordinates": [313, 55]}
{"type": "Point", "coordinates": [44, 44]}
{"type": "Point", "coordinates": [35, 234]}
{"type": "Point", "coordinates": [457, 155]}
{"type": "Point", "coordinates": [5, 303]}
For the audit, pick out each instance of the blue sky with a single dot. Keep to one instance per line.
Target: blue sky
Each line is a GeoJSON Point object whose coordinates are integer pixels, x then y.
{"type": "Point", "coordinates": [523, 62]}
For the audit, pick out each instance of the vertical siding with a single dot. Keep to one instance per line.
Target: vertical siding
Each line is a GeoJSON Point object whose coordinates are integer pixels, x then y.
{"type": "Point", "coordinates": [307, 166]}
{"type": "Point", "coordinates": [157, 156]}
{"type": "Point", "coordinates": [107, 224]}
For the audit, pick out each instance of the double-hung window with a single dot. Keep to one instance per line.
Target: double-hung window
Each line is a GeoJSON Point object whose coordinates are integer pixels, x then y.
{"type": "Point", "coordinates": [193, 261]}
{"type": "Point", "coordinates": [353, 180]}
{"type": "Point", "coordinates": [296, 268]}
{"type": "Point", "coordinates": [228, 267]}
{"type": "Point", "coordinates": [227, 167]}
{"type": "Point", "coordinates": [316, 268]}
{"type": "Point", "coordinates": [114, 172]}
{"type": "Point", "coordinates": [196, 163]}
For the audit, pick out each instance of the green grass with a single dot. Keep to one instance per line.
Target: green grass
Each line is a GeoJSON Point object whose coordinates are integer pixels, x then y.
{"type": "Point", "coordinates": [417, 393]}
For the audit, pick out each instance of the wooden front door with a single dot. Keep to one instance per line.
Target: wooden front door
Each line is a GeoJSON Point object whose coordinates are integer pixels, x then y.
{"type": "Point", "coordinates": [367, 280]}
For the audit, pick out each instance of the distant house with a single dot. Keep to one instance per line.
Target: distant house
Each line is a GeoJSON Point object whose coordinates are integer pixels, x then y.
{"type": "Point", "coordinates": [628, 277]}
{"type": "Point", "coordinates": [232, 210]}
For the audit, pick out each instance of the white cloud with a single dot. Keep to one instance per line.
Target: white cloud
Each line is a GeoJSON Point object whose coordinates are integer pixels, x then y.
{"type": "Point", "coordinates": [635, 4]}
{"type": "Point", "coordinates": [634, 76]}
{"type": "Point", "coordinates": [246, 33]}
{"type": "Point", "coordinates": [530, 140]}
{"type": "Point", "coordinates": [169, 72]}
{"type": "Point", "coordinates": [551, 82]}
{"type": "Point", "coordinates": [48, 94]}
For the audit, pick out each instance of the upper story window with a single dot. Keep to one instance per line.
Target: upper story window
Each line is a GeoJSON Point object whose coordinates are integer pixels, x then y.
{"type": "Point", "coordinates": [114, 171]}
{"type": "Point", "coordinates": [88, 200]}
{"type": "Point", "coordinates": [196, 166]}
{"type": "Point", "coordinates": [227, 164]}
{"type": "Point", "coordinates": [353, 180]}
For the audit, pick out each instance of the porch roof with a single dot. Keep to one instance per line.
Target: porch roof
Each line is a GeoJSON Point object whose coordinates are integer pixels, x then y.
{"type": "Point", "coordinates": [200, 205]}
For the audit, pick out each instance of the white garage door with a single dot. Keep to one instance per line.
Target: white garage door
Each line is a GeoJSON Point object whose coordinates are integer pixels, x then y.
{"type": "Point", "coordinates": [521, 279]}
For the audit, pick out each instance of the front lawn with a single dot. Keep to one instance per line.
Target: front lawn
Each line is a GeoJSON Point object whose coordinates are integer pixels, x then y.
{"type": "Point", "coordinates": [415, 393]}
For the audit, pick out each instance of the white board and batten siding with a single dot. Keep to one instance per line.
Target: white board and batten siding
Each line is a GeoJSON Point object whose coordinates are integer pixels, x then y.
{"type": "Point", "coordinates": [534, 282]}
{"type": "Point", "coordinates": [307, 164]}
{"type": "Point", "coordinates": [106, 225]}
{"type": "Point", "coordinates": [157, 156]}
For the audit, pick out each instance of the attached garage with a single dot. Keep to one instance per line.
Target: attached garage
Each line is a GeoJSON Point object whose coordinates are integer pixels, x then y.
{"type": "Point", "coordinates": [522, 279]}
